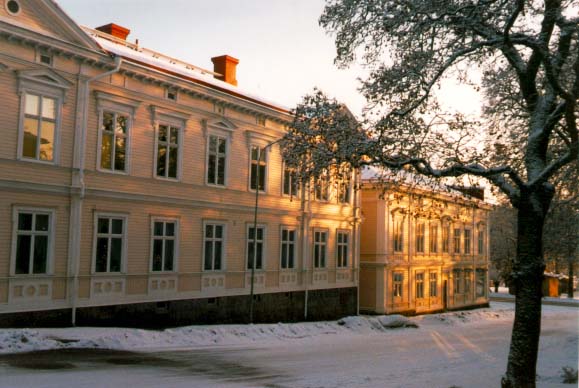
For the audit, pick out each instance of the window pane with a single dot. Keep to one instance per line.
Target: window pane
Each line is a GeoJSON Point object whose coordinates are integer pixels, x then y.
{"type": "Point", "coordinates": [29, 142]}
{"type": "Point", "coordinates": [218, 255]}
{"type": "Point", "coordinates": [258, 260]}
{"type": "Point", "coordinates": [161, 160]}
{"type": "Point", "coordinates": [103, 225]}
{"type": "Point", "coordinates": [101, 254]}
{"type": "Point", "coordinates": [250, 234]}
{"type": "Point", "coordinates": [157, 255]}
{"type": "Point", "coordinates": [169, 255]}
{"type": "Point", "coordinates": [260, 233]}
{"type": "Point", "coordinates": [249, 254]}
{"type": "Point", "coordinates": [121, 127]}
{"type": "Point", "coordinates": [48, 108]}
{"type": "Point", "coordinates": [169, 229]}
{"type": "Point", "coordinates": [212, 144]}
{"type": "Point", "coordinates": [291, 256]}
{"type": "Point", "coordinates": [23, 254]}
{"type": "Point", "coordinates": [174, 135]}
{"type": "Point", "coordinates": [218, 231]}
{"type": "Point", "coordinates": [254, 153]}
{"type": "Point", "coordinates": [158, 229]}
{"type": "Point", "coordinates": [284, 253]}
{"type": "Point", "coordinates": [46, 140]}
{"type": "Point", "coordinates": [108, 121]}
{"type": "Point", "coordinates": [31, 104]}
{"type": "Point", "coordinates": [41, 222]}
{"type": "Point", "coordinates": [208, 255]}
{"type": "Point", "coordinates": [106, 150]}
{"type": "Point", "coordinates": [120, 154]}
{"type": "Point", "coordinates": [208, 230]}
{"type": "Point", "coordinates": [262, 177]}
{"type": "Point", "coordinates": [40, 254]}
{"type": "Point", "coordinates": [173, 159]}
{"type": "Point", "coordinates": [211, 169]}
{"type": "Point", "coordinates": [222, 146]}
{"type": "Point", "coordinates": [221, 171]}
{"type": "Point", "coordinates": [253, 178]}
{"type": "Point", "coordinates": [117, 226]}
{"type": "Point", "coordinates": [24, 221]}
{"type": "Point", "coordinates": [163, 133]}
{"type": "Point", "coordinates": [116, 254]}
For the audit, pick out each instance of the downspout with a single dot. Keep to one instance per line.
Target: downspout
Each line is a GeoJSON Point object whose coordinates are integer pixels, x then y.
{"type": "Point", "coordinates": [305, 240]}
{"type": "Point", "coordinates": [83, 99]}
{"type": "Point", "coordinates": [357, 230]}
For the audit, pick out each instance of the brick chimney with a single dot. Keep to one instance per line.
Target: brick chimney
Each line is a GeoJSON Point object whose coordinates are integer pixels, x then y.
{"type": "Point", "coordinates": [225, 65]}
{"type": "Point", "coordinates": [115, 30]}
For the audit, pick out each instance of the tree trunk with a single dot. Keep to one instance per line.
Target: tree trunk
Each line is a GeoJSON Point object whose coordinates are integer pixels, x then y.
{"type": "Point", "coordinates": [570, 280]}
{"type": "Point", "coordinates": [497, 283]}
{"type": "Point", "coordinates": [527, 276]}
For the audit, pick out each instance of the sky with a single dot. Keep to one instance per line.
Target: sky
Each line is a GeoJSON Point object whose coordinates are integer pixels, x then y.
{"type": "Point", "coordinates": [283, 53]}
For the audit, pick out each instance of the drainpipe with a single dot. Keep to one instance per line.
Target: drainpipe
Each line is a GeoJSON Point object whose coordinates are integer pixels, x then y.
{"type": "Point", "coordinates": [83, 99]}
{"type": "Point", "coordinates": [357, 230]}
{"type": "Point", "coordinates": [305, 248]}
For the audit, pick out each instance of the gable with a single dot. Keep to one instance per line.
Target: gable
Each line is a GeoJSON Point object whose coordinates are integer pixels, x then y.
{"type": "Point", "coordinates": [46, 18]}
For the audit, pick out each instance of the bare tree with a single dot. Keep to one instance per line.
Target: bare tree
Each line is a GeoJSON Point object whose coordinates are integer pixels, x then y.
{"type": "Point", "coordinates": [527, 54]}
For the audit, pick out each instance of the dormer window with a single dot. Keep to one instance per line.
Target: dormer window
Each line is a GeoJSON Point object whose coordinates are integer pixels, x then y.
{"type": "Point", "coordinates": [13, 7]}
{"type": "Point", "coordinates": [171, 94]}
{"type": "Point", "coordinates": [45, 59]}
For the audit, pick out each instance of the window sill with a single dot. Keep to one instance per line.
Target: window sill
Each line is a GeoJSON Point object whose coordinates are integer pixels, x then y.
{"type": "Point", "coordinates": [38, 161]}
{"type": "Point", "coordinates": [114, 172]}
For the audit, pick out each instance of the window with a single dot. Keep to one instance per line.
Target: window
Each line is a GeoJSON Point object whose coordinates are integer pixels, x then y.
{"type": "Point", "coordinates": [343, 241]}
{"type": "Point", "coordinates": [213, 244]}
{"type": "Point", "coordinates": [113, 141]}
{"type": "Point", "coordinates": [433, 238]}
{"type": "Point", "coordinates": [216, 160]}
{"type": "Point", "coordinates": [290, 182]}
{"type": "Point", "coordinates": [481, 242]}
{"type": "Point", "coordinates": [344, 189]}
{"type": "Point", "coordinates": [457, 281]}
{"type": "Point", "coordinates": [110, 241]}
{"type": "Point", "coordinates": [33, 245]}
{"type": "Point", "coordinates": [457, 240]}
{"type": "Point", "coordinates": [398, 278]}
{"type": "Point", "coordinates": [420, 237]}
{"type": "Point", "coordinates": [255, 247]}
{"type": "Point", "coordinates": [433, 284]}
{"type": "Point", "coordinates": [39, 127]}
{"type": "Point", "coordinates": [419, 285]}
{"type": "Point", "coordinates": [481, 281]}
{"type": "Point", "coordinates": [168, 151]}
{"type": "Point", "coordinates": [467, 281]}
{"type": "Point", "coordinates": [446, 238]}
{"type": "Point", "coordinates": [398, 235]}
{"type": "Point", "coordinates": [467, 236]}
{"type": "Point", "coordinates": [320, 245]}
{"type": "Point", "coordinates": [164, 245]}
{"type": "Point", "coordinates": [288, 248]}
{"type": "Point", "coordinates": [12, 7]}
{"type": "Point", "coordinates": [44, 57]}
{"type": "Point", "coordinates": [171, 94]}
{"type": "Point", "coordinates": [322, 187]}
{"type": "Point", "coordinates": [258, 168]}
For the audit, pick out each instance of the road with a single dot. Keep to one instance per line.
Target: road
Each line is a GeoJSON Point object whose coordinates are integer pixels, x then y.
{"type": "Point", "coordinates": [438, 354]}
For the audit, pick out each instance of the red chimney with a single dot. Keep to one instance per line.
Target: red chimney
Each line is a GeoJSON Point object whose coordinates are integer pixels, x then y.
{"type": "Point", "coordinates": [225, 65]}
{"type": "Point", "coordinates": [115, 30]}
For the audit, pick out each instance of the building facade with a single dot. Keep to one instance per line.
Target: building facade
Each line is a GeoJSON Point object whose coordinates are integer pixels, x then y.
{"type": "Point", "coordinates": [128, 184]}
{"type": "Point", "coordinates": [422, 249]}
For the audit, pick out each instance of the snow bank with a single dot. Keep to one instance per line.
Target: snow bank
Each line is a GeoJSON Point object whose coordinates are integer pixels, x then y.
{"type": "Point", "coordinates": [24, 340]}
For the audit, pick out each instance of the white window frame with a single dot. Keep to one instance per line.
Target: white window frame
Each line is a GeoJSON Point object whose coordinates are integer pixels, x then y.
{"type": "Point", "coordinates": [419, 284]}
{"type": "Point", "coordinates": [340, 246]}
{"type": "Point", "coordinates": [316, 246]}
{"type": "Point", "coordinates": [433, 280]}
{"type": "Point", "coordinates": [446, 242]}
{"type": "Point", "coordinates": [433, 238]}
{"type": "Point", "coordinates": [481, 241]}
{"type": "Point", "coordinates": [322, 182]}
{"type": "Point", "coordinates": [43, 83]}
{"type": "Point", "coordinates": [292, 178]}
{"type": "Point", "coordinates": [467, 241]}
{"type": "Point", "coordinates": [284, 245]}
{"type": "Point", "coordinates": [124, 255]}
{"type": "Point", "coordinates": [397, 285]}
{"type": "Point", "coordinates": [51, 239]}
{"type": "Point", "coordinates": [175, 119]}
{"type": "Point", "coordinates": [420, 237]}
{"type": "Point", "coordinates": [116, 105]}
{"type": "Point", "coordinates": [456, 248]}
{"type": "Point", "coordinates": [348, 190]}
{"type": "Point", "coordinates": [164, 238]}
{"type": "Point", "coordinates": [263, 246]}
{"type": "Point", "coordinates": [261, 148]}
{"type": "Point", "coordinates": [458, 281]}
{"type": "Point", "coordinates": [227, 139]}
{"type": "Point", "coordinates": [398, 238]}
{"type": "Point", "coordinates": [223, 240]}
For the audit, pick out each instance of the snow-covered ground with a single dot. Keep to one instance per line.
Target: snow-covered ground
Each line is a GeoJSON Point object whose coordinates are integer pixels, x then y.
{"type": "Point", "coordinates": [461, 349]}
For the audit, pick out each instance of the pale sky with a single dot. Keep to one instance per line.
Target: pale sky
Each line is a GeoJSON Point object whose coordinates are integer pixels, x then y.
{"type": "Point", "coordinates": [283, 53]}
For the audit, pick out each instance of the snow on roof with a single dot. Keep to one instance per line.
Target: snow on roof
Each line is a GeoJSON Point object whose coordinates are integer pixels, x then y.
{"type": "Point", "coordinates": [158, 61]}
{"type": "Point", "coordinates": [372, 174]}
